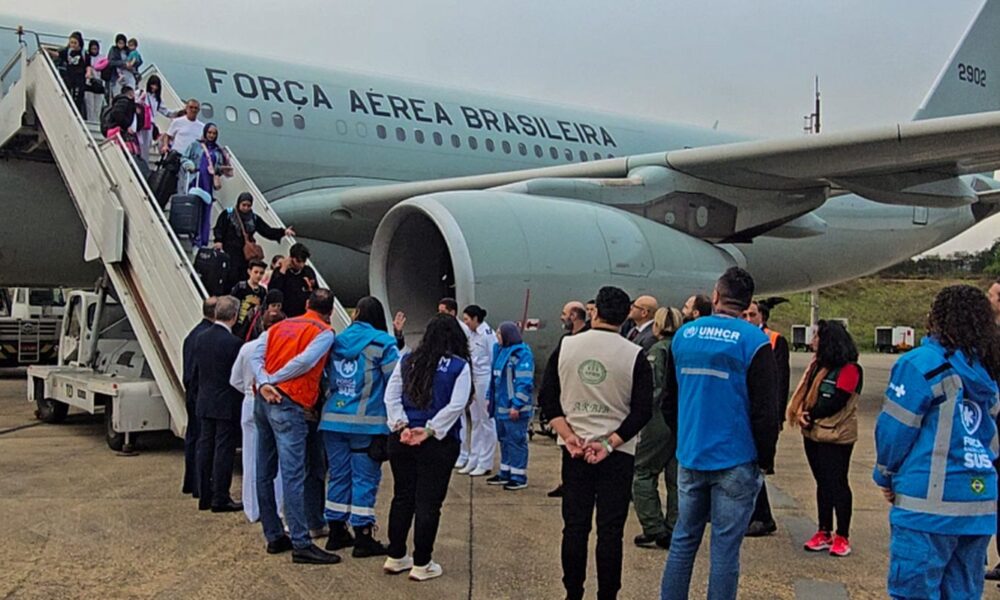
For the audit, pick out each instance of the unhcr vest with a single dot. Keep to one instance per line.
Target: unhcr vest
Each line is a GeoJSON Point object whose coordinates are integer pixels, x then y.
{"type": "Point", "coordinates": [285, 341]}
{"type": "Point", "coordinates": [711, 359]}
{"type": "Point", "coordinates": [449, 368]}
{"type": "Point", "coordinates": [595, 374]}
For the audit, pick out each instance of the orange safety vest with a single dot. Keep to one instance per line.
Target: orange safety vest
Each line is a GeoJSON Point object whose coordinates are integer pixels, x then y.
{"type": "Point", "coordinates": [773, 336]}
{"type": "Point", "coordinates": [285, 341]}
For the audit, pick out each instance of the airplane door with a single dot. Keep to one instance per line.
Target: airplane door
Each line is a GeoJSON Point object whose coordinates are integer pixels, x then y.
{"type": "Point", "coordinates": [627, 246]}
{"type": "Point", "coordinates": [920, 215]}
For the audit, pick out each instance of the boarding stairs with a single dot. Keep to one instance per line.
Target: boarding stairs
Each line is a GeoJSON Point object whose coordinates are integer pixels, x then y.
{"type": "Point", "coordinates": [148, 266]}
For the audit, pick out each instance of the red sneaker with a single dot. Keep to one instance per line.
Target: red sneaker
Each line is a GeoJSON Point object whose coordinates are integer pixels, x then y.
{"type": "Point", "coordinates": [840, 546]}
{"type": "Point", "coordinates": [819, 542]}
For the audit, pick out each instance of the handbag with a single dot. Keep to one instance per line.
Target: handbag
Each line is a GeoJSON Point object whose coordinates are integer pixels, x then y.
{"type": "Point", "coordinates": [378, 450]}
{"type": "Point", "coordinates": [251, 249]}
{"type": "Point", "coordinates": [94, 86]}
{"type": "Point", "coordinates": [216, 178]}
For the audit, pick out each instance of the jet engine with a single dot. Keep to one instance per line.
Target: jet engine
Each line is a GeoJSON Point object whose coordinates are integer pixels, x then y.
{"type": "Point", "coordinates": [523, 256]}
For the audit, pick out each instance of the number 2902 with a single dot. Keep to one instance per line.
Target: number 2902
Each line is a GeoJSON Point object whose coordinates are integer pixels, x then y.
{"type": "Point", "coordinates": [971, 74]}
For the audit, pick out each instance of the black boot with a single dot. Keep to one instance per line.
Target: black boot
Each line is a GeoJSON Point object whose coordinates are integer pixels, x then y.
{"type": "Point", "coordinates": [365, 545]}
{"type": "Point", "coordinates": [340, 537]}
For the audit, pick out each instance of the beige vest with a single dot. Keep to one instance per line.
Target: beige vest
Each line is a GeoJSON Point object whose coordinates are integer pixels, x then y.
{"type": "Point", "coordinates": [595, 374]}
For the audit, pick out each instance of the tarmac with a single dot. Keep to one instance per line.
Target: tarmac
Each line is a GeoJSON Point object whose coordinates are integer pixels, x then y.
{"type": "Point", "coordinates": [83, 522]}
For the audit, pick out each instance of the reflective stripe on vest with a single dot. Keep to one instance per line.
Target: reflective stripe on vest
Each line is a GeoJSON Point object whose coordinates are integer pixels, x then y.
{"type": "Point", "coordinates": [285, 341]}
{"type": "Point", "coordinates": [773, 336]}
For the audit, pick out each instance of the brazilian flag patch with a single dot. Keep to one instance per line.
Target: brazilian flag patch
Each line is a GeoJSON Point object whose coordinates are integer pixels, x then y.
{"type": "Point", "coordinates": [978, 485]}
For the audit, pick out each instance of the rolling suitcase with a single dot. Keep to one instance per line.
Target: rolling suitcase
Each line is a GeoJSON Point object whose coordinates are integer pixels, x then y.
{"type": "Point", "coordinates": [163, 181]}
{"type": "Point", "coordinates": [185, 214]}
{"type": "Point", "coordinates": [212, 265]}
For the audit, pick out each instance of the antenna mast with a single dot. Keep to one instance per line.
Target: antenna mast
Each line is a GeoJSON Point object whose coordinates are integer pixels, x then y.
{"type": "Point", "coordinates": [811, 121]}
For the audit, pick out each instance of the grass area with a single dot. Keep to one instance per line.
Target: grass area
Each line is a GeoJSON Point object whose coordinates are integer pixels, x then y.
{"type": "Point", "coordinates": [867, 303]}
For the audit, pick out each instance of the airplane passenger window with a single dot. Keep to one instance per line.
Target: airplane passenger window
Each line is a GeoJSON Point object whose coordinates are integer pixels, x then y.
{"type": "Point", "coordinates": [418, 135]}
{"type": "Point", "coordinates": [299, 122]}
{"type": "Point", "coordinates": [400, 134]}
{"type": "Point", "coordinates": [254, 115]}
{"type": "Point", "coordinates": [490, 145]}
{"type": "Point", "coordinates": [553, 153]}
{"type": "Point", "coordinates": [456, 141]}
{"type": "Point", "coordinates": [362, 130]}
{"type": "Point", "coordinates": [341, 127]}
{"type": "Point", "coordinates": [597, 156]}
{"type": "Point", "coordinates": [206, 110]}
{"type": "Point", "coordinates": [506, 146]}
{"type": "Point", "coordinates": [522, 149]}
{"type": "Point", "coordinates": [473, 142]}
{"type": "Point", "coordinates": [569, 155]}
{"type": "Point", "coordinates": [611, 156]}
{"type": "Point", "coordinates": [538, 151]}
{"type": "Point", "coordinates": [380, 131]}
{"type": "Point", "coordinates": [231, 114]}
{"type": "Point", "coordinates": [437, 139]}
{"type": "Point", "coordinates": [277, 119]}
{"type": "Point", "coordinates": [583, 155]}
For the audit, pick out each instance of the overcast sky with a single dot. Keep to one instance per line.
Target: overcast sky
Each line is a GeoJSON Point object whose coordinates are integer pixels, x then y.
{"type": "Point", "coordinates": [747, 64]}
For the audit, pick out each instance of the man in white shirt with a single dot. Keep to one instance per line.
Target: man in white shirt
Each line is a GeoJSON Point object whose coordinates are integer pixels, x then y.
{"type": "Point", "coordinates": [182, 131]}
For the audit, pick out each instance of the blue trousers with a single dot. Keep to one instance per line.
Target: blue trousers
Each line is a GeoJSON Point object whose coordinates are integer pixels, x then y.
{"type": "Point", "coordinates": [353, 478]}
{"type": "Point", "coordinates": [727, 498]}
{"type": "Point", "coordinates": [935, 566]}
{"type": "Point", "coordinates": [513, 436]}
{"type": "Point", "coordinates": [286, 438]}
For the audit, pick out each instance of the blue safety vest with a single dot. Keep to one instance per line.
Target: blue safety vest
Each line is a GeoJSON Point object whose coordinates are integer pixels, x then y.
{"type": "Point", "coordinates": [711, 359]}
{"type": "Point", "coordinates": [449, 368]}
{"type": "Point", "coordinates": [936, 440]}
{"type": "Point", "coordinates": [513, 380]}
{"type": "Point", "coordinates": [360, 364]}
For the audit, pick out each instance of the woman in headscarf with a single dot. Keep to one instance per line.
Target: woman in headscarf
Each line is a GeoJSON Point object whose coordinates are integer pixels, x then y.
{"type": "Point", "coordinates": [94, 101]}
{"type": "Point", "coordinates": [208, 162]}
{"type": "Point", "coordinates": [510, 404]}
{"type": "Point", "coordinates": [229, 235]}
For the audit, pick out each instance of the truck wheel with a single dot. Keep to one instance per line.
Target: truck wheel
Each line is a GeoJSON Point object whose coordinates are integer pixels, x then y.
{"type": "Point", "coordinates": [47, 410]}
{"type": "Point", "coordinates": [115, 439]}
{"type": "Point", "coordinates": [51, 411]}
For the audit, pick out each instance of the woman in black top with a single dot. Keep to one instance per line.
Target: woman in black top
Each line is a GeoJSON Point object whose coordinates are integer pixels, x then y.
{"type": "Point", "coordinates": [229, 236]}
{"type": "Point", "coordinates": [74, 66]}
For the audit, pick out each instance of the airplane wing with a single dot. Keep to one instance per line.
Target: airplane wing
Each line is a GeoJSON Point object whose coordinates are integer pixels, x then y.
{"type": "Point", "coordinates": [749, 188]}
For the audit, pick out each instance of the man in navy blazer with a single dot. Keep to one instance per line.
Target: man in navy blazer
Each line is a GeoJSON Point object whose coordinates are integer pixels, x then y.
{"type": "Point", "coordinates": [190, 485]}
{"type": "Point", "coordinates": [218, 408]}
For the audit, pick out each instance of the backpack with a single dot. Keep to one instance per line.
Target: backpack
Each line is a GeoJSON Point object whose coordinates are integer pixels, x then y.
{"type": "Point", "coordinates": [106, 120]}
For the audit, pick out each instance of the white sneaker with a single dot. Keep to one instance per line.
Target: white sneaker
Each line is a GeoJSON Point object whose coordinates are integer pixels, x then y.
{"type": "Point", "coordinates": [395, 566]}
{"type": "Point", "coordinates": [467, 469]}
{"type": "Point", "coordinates": [478, 472]}
{"type": "Point", "coordinates": [460, 464]}
{"type": "Point", "coordinates": [428, 571]}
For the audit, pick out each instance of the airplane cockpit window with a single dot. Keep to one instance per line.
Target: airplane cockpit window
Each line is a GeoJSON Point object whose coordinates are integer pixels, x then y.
{"type": "Point", "coordinates": [490, 145]}
{"type": "Point", "coordinates": [278, 120]}
{"type": "Point", "coordinates": [473, 142]}
{"type": "Point", "coordinates": [522, 149]}
{"type": "Point", "coordinates": [553, 153]}
{"type": "Point", "coordinates": [538, 151]}
{"type": "Point", "coordinates": [254, 116]}
{"type": "Point", "coordinates": [456, 141]}
{"type": "Point", "coordinates": [380, 132]}
{"type": "Point", "coordinates": [569, 155]}
{"type": "Point", "coordinates": [506, 146]}
{"type": "Point", "coordinates": [207, 110]}
{"type": "Point", "coordinates": [299, 122]}
{"type": "Point", "coordinates": [583, 155]}
{"type": "Point", "coordinates": [418, 134]}
{"type": "Point", "coordinates": [437, 139]}
{"type": "Point", "coordinates": [231, 114]}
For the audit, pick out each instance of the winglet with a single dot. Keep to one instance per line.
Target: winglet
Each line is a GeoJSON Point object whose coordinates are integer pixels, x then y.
{"type": "Point", "coordinates": [970, 81]}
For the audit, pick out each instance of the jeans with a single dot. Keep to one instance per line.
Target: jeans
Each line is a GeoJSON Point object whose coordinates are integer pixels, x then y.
{"type": "Point", "coordinates": [514, 447]}
{"type": "Point", "coordinates": [608, 486]}
{"type": "Point", "coordinates": [829, 464]}
{"type": "Point", "coordinates": [935, 566]}
{"type": "Point", "coordinates": [420, 483]}
{"type": "Point", "coordinates": [353, 478]}
{"type": "Point", "coordinates": [216, 454]}
{"type": "Point", "coordinates": [727, 498]}
{"type": "Point", "coordinates": [283, 438]}
{"type": "Point", "coordinates": [654, 454]}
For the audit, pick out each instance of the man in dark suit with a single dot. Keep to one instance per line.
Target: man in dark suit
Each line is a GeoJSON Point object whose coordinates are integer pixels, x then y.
{"type": "Point", "coordinates": [641, 314]}
{"type": "Point", "coordinates": [190, 485]}
{"type": "Point", "coordinates": [218, 408]}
